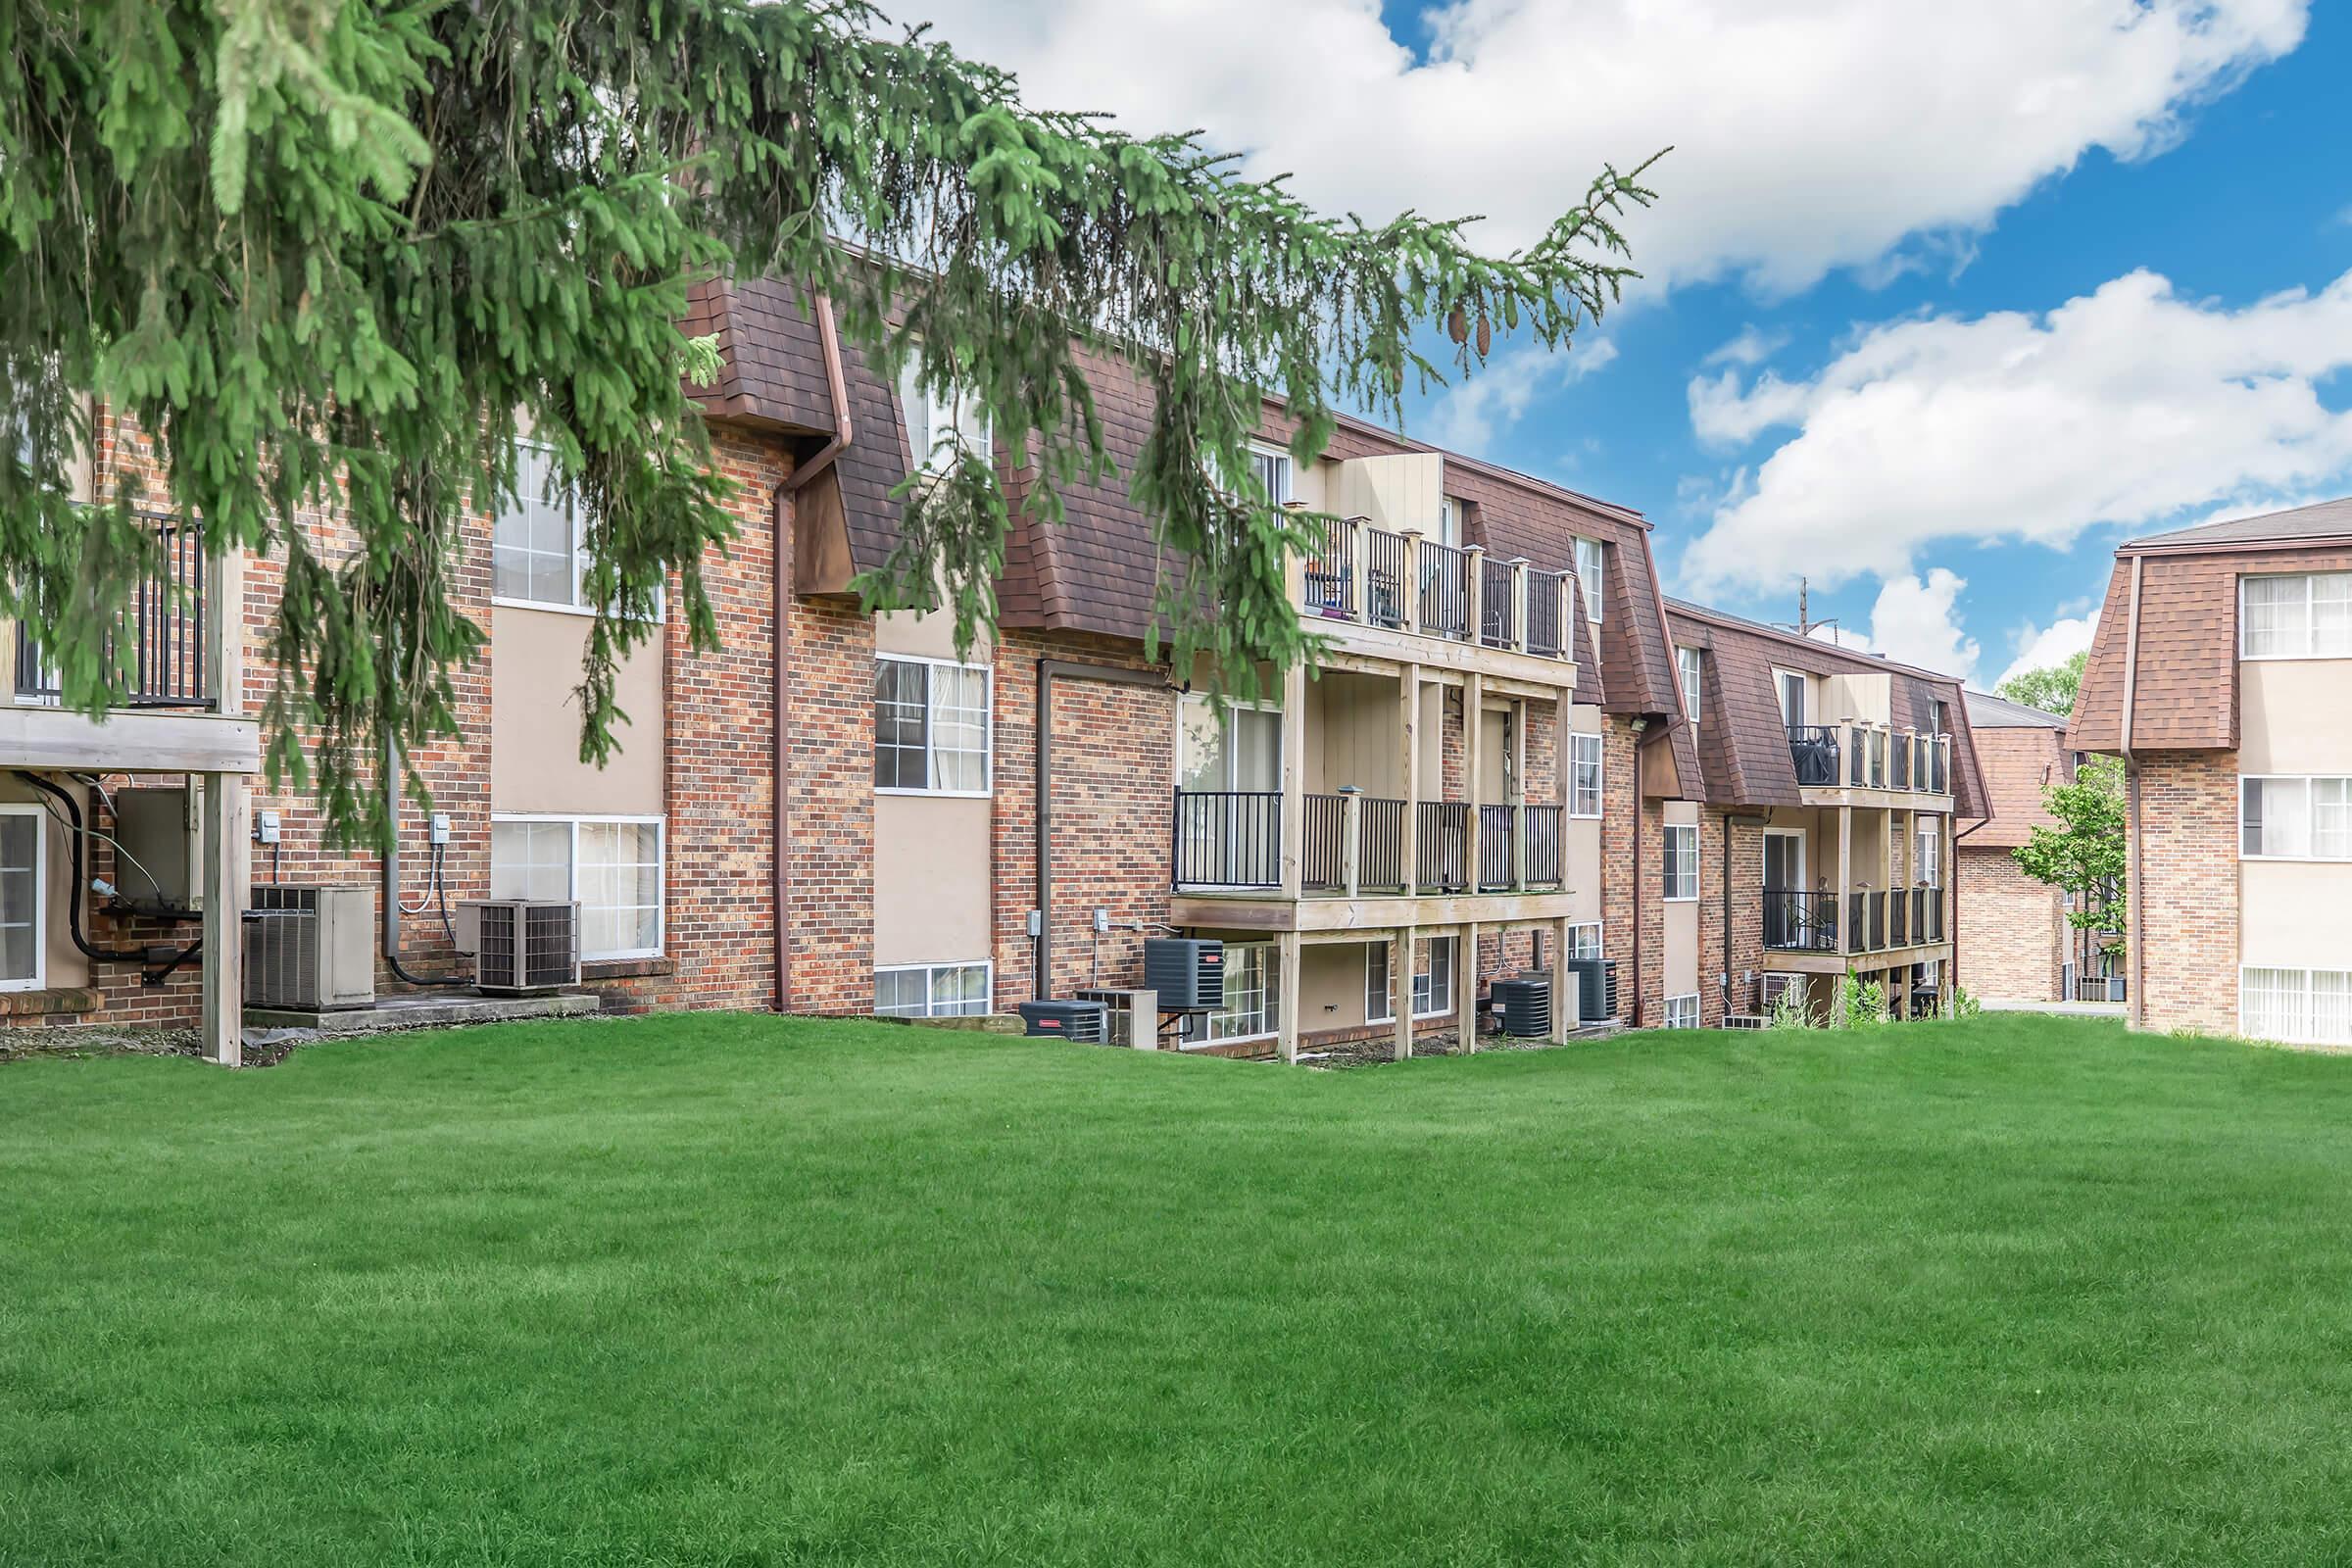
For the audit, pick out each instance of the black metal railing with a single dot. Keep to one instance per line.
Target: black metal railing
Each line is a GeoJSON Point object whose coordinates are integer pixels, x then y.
{"type": "Point", "coordinates": [1443, 828]}
{"type": "Point", "coordinates": [1380, 846]}
{"type": "Point", "coordinates": [1498, 606]}
{"type": "Point", "coordinates": [1323, 843]}
{"type": "Point", "coordinates": [1899, 764]}
{"type": "Point", "coordinates": [1542, 839]}
{"type": "Point", "coordinates": [1330, 568]}
{"type": "Point", "coordinates": [1898, 920]}
{"type": "Point", "coordinates": [1939, 754]}
{"type": "Point", "coordinates": [1926, 914]}
{"type": "Point", "coordinates": [168, 630]}
{"type": "Point", "coordinates": [1445, 591]}
{"type": "Point", "coordinates": [1545, 635]}
{"type": "Point", "coordinates": [1388, 574]}
{"type": "Point", "coordinates": [1228, 838]}
{"type": "Point", "coordinates": [1498, 847]}
{"type": "Point", "coordinates": [1813, 747]}
{"type": "Point", "coordinates": [1796, 922]}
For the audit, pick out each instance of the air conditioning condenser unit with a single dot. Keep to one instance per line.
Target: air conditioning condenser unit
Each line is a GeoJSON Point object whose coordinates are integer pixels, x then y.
{"type": "Point", "coordinates": [311, 949]}
{"type": "Point", "coordinates": [520, 945]}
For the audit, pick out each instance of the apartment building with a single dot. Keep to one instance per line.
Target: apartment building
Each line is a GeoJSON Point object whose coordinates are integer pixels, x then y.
{"type": "Point", "coordinates": [1821, 837]}
{"type": "Point", "coordinates": [2021, 945]}
{"type": "Point", "coordinates": [842, 814]}
{"type": "Point", "coordinates": [2218, 675]}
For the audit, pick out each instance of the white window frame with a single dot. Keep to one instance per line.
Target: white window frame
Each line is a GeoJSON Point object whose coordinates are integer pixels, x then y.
{"type": "Point", "coordinates": [1927, 848]}
{"type": "Point", "coordinates": [1804, 866]}
{"type": "Point", "coordinates": [931, 973]}
{"type": "Point", "coordinates": [940, 414]}
{"type": "Point", "coordinates": [1690, 864]}
{"type": "Point", "coordinates": [1576, 940]}
{"type": "Point", "coordinates": [1689, 667]}
{"type": "Point", "coordinates": [575, 532]}
{"type": "Point", "coordinates": [2310, 581]}
{"type": "Point", "coordinates": [39, 978]}
{"type": "Point", "coordinates": [2305, 1031]}
{"type": "Point", "coordinates": [1592, 574]}
{"type": "Point", "coordinates": [2310, 815]}
{"type": "Point", "coordinates": [1449, 522]}
{"type": "Point", "coordinates": [661, 826]}
{"type": "Point", "coordinates": [1388, 994]}
{"type": "Point", "coordinates": [1580, 742]}
{"type": "Point", "coordinates": [1780, 695]}
{"type": "Point", "coordinates": [987, 728]}
{"type": "Point", "coordinates": [1687, 1006]}
{"type": "Point", "coordinates": [1265, 457]}
{"type": "Point", "coordinates": [1271, 1002]}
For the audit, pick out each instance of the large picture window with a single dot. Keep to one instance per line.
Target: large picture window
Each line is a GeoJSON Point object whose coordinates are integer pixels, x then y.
{"type": "Point", "coordinates": [1584, 776]}
{"type": "Point", "coordinates": [931, 726]}
{"type": "Point", "coordinates": [2308, 616]}
{"type": "Point", "coordinates": [2301, 1006]}
{"type": "Point", "coordinates": [1433, 981]}
{"type": "Point", "coordinates": [1681, 862]}
{"type": "Point", "coordinates": [2294, 818]}
{"type": "Point", "coordinates": [611, 867]}
{"type": "Point", "coordinates": [1252, 999]}
{"type": "Point", "coordinates": [932, 990]}
{"type": "Point", "coordinates": [22, 881]}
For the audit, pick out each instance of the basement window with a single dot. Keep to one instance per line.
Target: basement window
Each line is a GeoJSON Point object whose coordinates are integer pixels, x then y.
{"type": "Point", "coordinates": [931, 726]}
{"type": "Point", "coordinates": [1252, 999]}
{"type": "Point", "coordinates": [22, 880]}
{"type": "Point", "coordinates": [1583, 941]}
{"type": "Point", "coordinates": [1433, 981]}
{"type": "Point", "coordinates": [932, 990]}
{"type": "Point", "coordinates": [611, 867]}
{"type": "Point", "coordinates": [1681, 1013]}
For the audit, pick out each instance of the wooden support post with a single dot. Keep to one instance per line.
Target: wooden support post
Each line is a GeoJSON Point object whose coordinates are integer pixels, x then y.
{"type": "Point", "coordinates": [1285, 1010]}
{"type": "Point", "coordinates": [226, 818]}
{"type": "Point", "coordinates": [1845, 876]}
{"type": "Point", "coordinates": [1412, 579]}
{"type": "Point", "coordinates": [1474, 732]}
{"type": "Point", "coordinates": [1465, 985]}
{"type": "Point", "coordinates": [1518, 637]}
{"type": "Point", "coordinates": [1400, 991]}
{"type": "Point", "coordinates": [1565, 1003]}
{"type": "Point", "coordinates": [1516, 793]}
{"type": "Point", "coordinates": [1359, 564]}
{"type": "Point", "coordinates": [1351, 838]}
{"type": "Point", "coordinates": [1293, 777]}
{"type": "Point", "coordinates": [1474, 594]}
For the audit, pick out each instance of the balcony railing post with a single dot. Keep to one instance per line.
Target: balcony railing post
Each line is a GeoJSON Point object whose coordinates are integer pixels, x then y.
{"type": "Point", "coordinates": [1359, 569]}
{"type": "Point", "coordinates": [1412, 579]}
{"type": "Point", "coordinates": [1474, 593]}
{"type": "Point", "coordinates": [1518, 637]}
{"type": "Point", "coordinates": [1351, 840]}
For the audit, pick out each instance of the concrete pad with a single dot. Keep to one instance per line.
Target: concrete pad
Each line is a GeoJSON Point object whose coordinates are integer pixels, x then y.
{"type": "Point", "coordinates": [423, 1010]}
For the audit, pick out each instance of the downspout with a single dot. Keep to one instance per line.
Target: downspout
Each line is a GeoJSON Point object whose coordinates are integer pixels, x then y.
{"type": "Point", "coordinates": [1730, 821]}
{"type": "Point", "coordinates": [784, 540]}
{"type": "Point", "coordinates": [1041, 966]}
{"type": "Point", "coordinates": [1640, 724]}
{"type": "Point", "coordinates": [2131, 889]}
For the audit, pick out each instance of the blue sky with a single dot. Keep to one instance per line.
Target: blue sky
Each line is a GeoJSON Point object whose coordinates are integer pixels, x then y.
{"type": "Point", "coordinates": [1943, 300]}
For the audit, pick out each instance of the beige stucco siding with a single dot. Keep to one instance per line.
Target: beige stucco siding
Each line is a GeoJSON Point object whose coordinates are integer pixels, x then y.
{"type": "Point", "coordinates": [1396, 492]}
{"type": "Point", "coordinates": [2296, 715]}
{"type": "Point", "coordinates": [931, 892]}
{"type": "Point", "coordinates": [535, 720]}
{"type": "Point", "coordinates": [1680, 945]}
{"type": "Point", "coordinates": [1353, 735]}
{"type": "Point", "coordinates": [2295, 914]}
{"type": "Point", "coordinates": [62, 962]}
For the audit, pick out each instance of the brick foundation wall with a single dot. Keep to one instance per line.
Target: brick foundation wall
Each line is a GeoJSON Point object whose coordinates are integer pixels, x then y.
{"type": "Point", "coordinates": [2011, 929]}
{"type": "Point", "coordinates": [2187, 892]}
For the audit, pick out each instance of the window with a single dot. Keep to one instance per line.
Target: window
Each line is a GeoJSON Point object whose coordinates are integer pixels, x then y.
{"type": "Point", "coordinates": [1682, 861]}
{"type": "Point", "coordinates": [1273, 472]}
{"type": "Point", "coordinates": [2305, 1007]}
{"type": "Point", "coordinates": [1687, 664]}
{"type": "Point", "coordinates": [1792, 689]}
{"type": "Point", "coordinates": [1252, 999]}
{"type": "Point", "coordinates": [1449, 522]}
{"type": "Point", "coordinates": [2296, 618]}
{"type": "Point", "coordinates": [1927, 863]}
{"type": "Point", "coordinates": [931, 726]}
{"type": "Point", "coordinates": [611, 867]}
{"type": "Point", "coordinates": [1681, 1013]}
{"type": "Point", "coordinates": [1588, 574]}
{"type": "Point", "coordinates": [939, 426]}
{"type": "Point", "coordinates": [932, 991]}
{"type": "Point", "coordinates": [1583, 941]}
{"type": "Point", "coordinates": [23, 876]}
{"type": "Point", "coordinates": [2294, 818]}
{"type": "Point", "coordinates": [535, 549]}
{"type": "Point", "coordinates": [1584, 776]}
{"type": "Point", "coordinates": [1433, 981]}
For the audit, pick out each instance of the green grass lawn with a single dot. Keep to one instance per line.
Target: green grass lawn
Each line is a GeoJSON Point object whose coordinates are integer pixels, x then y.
{"type": "Point", "coordinates": [740, 1291]}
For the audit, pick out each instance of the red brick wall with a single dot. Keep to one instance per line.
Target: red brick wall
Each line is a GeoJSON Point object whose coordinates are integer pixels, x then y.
{"type": "Point", "coordinates": [1618, 826]}
{"type": "Point", "coordinates": [2187, 891]}
{"type": "Point", "coordinates": [2011, 931]}
{"type": "Point", "coordinates": [1735, 848]}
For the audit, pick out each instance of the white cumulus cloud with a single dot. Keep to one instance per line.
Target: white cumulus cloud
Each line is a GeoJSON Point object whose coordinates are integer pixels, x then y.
{"type": "Point", "coordinates": [1915, 620]}
{"type": "Point", "coordinates": [2042, 646]}
{"type": "Point", "coordinates": [2123, 407]}
{"type": "Point", "coordinates": [1807, 136]}
{"type": "Point", "coordinates": [1468, 417]}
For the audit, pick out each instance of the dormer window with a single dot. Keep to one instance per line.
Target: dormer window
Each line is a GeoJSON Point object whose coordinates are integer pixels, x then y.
{"type": "Point", "coordinates": [940, 426]}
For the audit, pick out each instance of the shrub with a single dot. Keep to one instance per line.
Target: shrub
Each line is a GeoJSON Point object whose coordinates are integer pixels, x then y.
{"type": "Point", "coordinates": [1965, 1005]}
{"type": "Point", "coordinates": [1861, 1004]}
{"type": "Point", "coordinates": [1791, 1010]}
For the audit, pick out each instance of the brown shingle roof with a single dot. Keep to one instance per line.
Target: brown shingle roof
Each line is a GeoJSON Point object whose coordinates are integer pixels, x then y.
{"type": "Point", "coordinates": [2185, 695]}
{"type": "Point", "coordinates": [1744, 744]}
{"type": "Point", "coordinates": [2324, 519]}
{"type": "Point", "coordinates": [2020, 762]}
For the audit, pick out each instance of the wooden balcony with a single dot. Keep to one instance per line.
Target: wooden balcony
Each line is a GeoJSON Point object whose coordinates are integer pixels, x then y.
{"type": "Point", "coordinates": [1861, 763]}
{"type": "Point", "coordinates": [1399, 596]}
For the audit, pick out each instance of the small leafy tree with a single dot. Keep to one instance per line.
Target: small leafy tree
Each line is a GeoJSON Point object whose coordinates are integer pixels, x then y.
{"type": "Point", "coordinates": [1965, 1003]}
{"type": "Point", "coordinates": [2086, 856]}
{"type": "Point", "coordinates": [2052, 689]}
{"type": "Point", "coordinates": [1861, 1004]}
